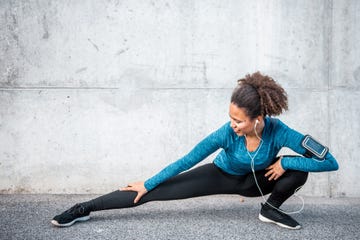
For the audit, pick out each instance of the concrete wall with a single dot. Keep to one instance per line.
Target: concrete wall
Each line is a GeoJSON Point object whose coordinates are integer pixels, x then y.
{"type": "Point", "coordinates": [96, 94]}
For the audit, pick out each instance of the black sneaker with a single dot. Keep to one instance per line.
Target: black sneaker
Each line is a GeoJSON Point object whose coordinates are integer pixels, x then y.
{"type": "Point", "coordinates": [272, 215]}
{"type": "Point", "coordinates": [78, 213]}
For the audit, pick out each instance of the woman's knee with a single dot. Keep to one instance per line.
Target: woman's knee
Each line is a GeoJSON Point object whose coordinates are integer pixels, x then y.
{"type": "Point", "coordinates": [290, 181]}
{"type": "Point", "coordinates": [299, 177]}
{"type": "Point", "coordinates": [294, 178]}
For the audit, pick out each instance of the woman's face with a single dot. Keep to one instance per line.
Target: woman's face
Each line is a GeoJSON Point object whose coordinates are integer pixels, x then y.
{"type": "Point", "coordinates": [239, 121]}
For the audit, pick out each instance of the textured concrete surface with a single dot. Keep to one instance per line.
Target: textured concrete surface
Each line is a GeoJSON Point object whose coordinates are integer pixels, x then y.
{"type": "Point", "coordinates": [101, 93]}
{"type": "Point", "coordinates": [214, 217]}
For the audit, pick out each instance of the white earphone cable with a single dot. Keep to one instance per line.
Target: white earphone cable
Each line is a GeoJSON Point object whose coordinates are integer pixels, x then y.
{"type": "Point", "coordinates": [257, 184]}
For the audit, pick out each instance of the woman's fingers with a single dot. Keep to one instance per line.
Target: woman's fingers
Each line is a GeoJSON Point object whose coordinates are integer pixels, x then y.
{"type": "Point", "coordinates": [275, 170]}
{"type": "Point", "coordinates": [270, 171]}
{"type": "Point", "coordinates": [138, 197]}
{"type": "Point", "coordinates": [136, 187]}
{"type": "Point", "coordinates": [128, 188]}
{"type": "Point", "coordinates": [273, 176]}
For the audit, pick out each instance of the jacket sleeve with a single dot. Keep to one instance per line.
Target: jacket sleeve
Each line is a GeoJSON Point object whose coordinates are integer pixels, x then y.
{"type": "Point", "coordinates": [287, 137]}
{"type": "Point", "coordinates": [203, 149]}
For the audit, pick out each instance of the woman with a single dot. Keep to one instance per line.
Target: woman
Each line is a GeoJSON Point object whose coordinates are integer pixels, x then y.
{"type": "Point", "coordinates": [247, 164]}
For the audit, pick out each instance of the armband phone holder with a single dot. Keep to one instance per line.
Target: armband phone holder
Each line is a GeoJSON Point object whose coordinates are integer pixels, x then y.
{"type": "Point", "coordinates": [313, 147]}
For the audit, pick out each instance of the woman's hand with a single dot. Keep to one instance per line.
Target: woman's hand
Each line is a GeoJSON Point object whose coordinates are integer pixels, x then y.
{"type": "Point", "coordinates": [275, 170]}
{"type": "Point", "coordinates": [138, 187]}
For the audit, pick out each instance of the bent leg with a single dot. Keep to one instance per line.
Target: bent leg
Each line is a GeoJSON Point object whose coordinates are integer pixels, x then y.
{"type": "Point", "coordinates": [248, 187]}
{"type": "Point", "coordinates": [201, 181]}
{"type": "Point", "coordinates": [286, 186]}
{"type": "Point", "coordinates": [280, 189]}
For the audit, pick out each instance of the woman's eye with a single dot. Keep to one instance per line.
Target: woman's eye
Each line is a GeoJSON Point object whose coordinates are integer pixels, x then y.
{"type": "Point", "coordinates": [235, 121]}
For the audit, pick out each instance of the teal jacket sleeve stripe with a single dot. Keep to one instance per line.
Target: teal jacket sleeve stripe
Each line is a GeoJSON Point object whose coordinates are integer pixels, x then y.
{"type": "Point", "coordinates": [287, 137]}
{"type": "Point", "coordinates": [202, 150]}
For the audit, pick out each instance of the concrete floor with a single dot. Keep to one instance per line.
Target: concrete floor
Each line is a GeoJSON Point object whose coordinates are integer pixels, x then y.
{"type": "Point", "coordinates": [213, 217]}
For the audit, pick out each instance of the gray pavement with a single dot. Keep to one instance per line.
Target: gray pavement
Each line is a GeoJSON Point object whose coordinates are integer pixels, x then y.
{"type": "Point", "coordinates": [213, 217]}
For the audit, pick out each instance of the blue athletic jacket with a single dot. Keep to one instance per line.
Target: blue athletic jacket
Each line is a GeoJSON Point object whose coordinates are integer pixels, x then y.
{"type": "Point", "coordinates": [234, 159]}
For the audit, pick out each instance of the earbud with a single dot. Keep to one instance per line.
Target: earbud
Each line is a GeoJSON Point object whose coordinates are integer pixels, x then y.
{"type": "Point", "coordinates": [256, 123]}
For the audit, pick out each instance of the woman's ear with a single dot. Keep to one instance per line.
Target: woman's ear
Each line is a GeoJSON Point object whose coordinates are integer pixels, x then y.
{"type": "Point", "coordinates": [259, 119]}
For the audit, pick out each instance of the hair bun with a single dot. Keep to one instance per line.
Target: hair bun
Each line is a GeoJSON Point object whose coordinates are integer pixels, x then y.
{"type": "Point", "coordinates": [261, 94]}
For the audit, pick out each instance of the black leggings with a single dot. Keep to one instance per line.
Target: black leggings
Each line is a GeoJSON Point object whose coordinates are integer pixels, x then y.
{"type": "Point", "coordinates": [207, 180]}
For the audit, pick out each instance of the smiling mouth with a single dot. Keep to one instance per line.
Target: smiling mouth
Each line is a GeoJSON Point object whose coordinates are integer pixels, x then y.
{"type": "Point", "coordinates": [237, 131]}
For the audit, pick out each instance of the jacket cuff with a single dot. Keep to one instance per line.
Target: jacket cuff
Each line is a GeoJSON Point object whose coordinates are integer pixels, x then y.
{"type": "Point", "coordinates": [284, 162]}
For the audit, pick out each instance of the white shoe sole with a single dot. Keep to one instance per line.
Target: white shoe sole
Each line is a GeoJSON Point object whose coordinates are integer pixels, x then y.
{"type": "Point", "coordinates": [264, 219]}
{"type": "Point", "coordinates": [80, 219]}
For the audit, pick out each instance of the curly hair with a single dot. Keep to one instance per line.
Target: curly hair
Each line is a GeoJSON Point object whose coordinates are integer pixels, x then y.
{"type": "Point", "coordinates": [260, 95]}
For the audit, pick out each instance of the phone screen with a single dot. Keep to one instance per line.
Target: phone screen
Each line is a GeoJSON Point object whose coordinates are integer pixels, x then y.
{"type": "Point", "coordinates": [315, 147]}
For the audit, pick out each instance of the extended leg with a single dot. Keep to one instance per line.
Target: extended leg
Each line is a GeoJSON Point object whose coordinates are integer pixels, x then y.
{"type": "Point", "coordinates": [200, 181]}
